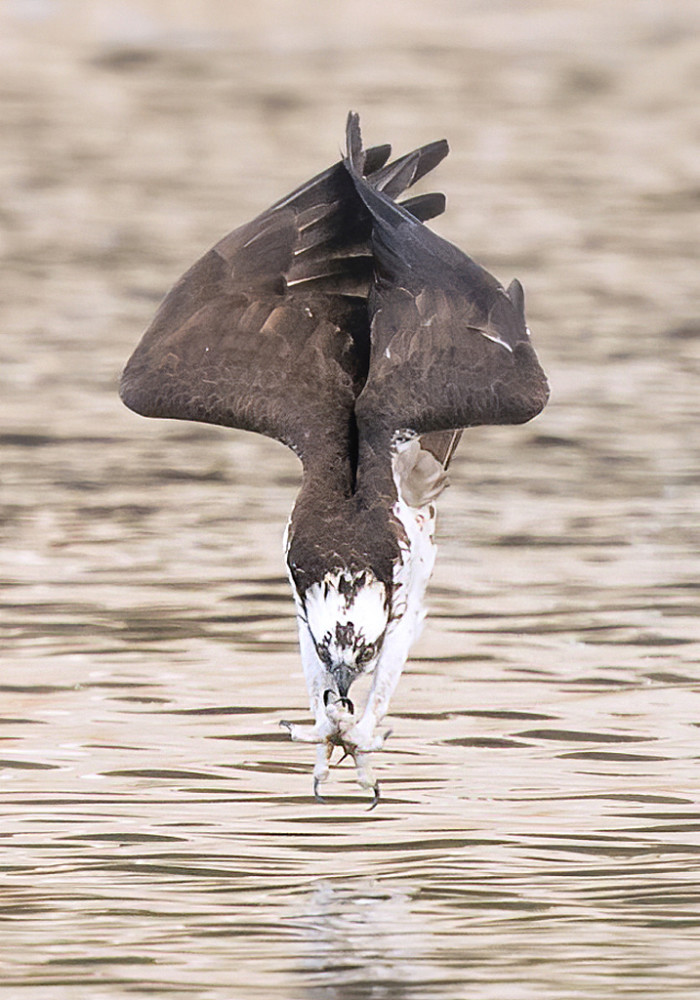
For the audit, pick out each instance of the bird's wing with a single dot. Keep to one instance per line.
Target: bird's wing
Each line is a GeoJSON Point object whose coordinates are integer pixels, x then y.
{"type": "Point", "coordinates": [269, 331]}
{"type": "Point", "coordinates": [449, 345]}
{"type": "Point", "coordinates": [441, 444]}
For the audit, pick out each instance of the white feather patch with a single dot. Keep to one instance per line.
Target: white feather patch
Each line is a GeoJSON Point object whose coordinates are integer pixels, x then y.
{"type": "Point", "coordinates": [326, 607]}
{"type": "Point", "coordinates": [412, 574]}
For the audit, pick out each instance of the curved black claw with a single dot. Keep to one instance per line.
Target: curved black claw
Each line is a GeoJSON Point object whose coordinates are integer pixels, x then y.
{"type": "Point", "coordinates": [375, 800]}
{"type": "Point", "coordinates": [345, 702]}
{"type": "Point", "coordinates": [287, 725]}
{"type": "Point", "coordinates": [317, 794]}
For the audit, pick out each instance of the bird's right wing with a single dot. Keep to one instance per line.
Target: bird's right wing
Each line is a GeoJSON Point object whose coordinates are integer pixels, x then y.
{"type": "Point", "coordinates": [450, 347]}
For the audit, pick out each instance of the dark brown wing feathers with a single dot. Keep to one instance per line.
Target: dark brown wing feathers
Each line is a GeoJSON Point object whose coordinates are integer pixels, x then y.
{"type": "Point", "coordinates": [450, 347]}
{"type": "Point", "coordinates": [338, 304]}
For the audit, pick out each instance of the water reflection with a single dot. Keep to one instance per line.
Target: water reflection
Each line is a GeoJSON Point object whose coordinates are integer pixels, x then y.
{"type": "Point", "coordinates": [362, 940]}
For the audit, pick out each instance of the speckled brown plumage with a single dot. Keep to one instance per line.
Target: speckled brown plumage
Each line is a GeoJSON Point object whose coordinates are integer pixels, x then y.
{"type": "Point", "coordinates": [331, 322]}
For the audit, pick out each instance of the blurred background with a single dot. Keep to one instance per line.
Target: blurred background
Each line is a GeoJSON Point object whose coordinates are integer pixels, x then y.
{"type": "Point", "coordinates": [539, 834]}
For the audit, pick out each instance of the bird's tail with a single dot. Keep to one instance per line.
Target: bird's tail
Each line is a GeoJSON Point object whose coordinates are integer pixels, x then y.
{"type": "Point", "coordinates": [395, 178]}
{"type": "Point", "coordinates": [334, 253]}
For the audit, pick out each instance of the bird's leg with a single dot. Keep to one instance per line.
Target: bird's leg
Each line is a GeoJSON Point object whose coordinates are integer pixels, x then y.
{"type": "Point", "coordinates": [318, 733]}
{"type": "Point", "coordinates": [414, 574]}
{"type": "Point", "coordinates": [335, 720]}
{"type": "Point", "coordinates": [322, 768]}
{"type": "Point", "coordinates": [303, 734]}
{"type": "Point", "coordinates": [365, 775]}
{"type": "Point", "coordinates": [316, 677]}
{"type": "Point", "coordinates": [386, 677]}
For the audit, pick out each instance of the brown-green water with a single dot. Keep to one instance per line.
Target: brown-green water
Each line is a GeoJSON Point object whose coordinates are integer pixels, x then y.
{"type": "Point", "coordinates": [539, 833]}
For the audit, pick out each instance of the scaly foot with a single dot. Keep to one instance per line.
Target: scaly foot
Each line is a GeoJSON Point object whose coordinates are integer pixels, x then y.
{"type": "Point", "coordinates": [339, 729]}
{"type": "Point", "coordinates": [305, 734]}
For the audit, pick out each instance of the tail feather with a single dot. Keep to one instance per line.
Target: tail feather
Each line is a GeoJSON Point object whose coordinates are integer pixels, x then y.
{"type": "Point", "coordinates": [424, 206]}
{"type": "Point", "coordinates": [376, 157]}
{"type": "Point", "coordinates": [330, 226]}
{"type": "Point", "coordinates": [398, 176]}
{"type": "Point", "coordinates": [353, 138]}
{"type": "Point", "coordinates": [425, 159]}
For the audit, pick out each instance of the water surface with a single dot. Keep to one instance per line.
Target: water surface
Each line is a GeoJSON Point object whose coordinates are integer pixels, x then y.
{"type": "Point", "coordinates": [538, 835]}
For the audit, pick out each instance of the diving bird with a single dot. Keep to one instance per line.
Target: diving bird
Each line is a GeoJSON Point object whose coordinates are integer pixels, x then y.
{"type": "Point", "coordinates": [339, 324]}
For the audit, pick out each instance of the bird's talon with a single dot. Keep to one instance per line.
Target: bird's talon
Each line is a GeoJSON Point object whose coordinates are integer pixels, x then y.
{"type": "Point", "coordinates": [317, 794]}
{"type": "Point", "coordinates": [375, 800]}
{"type": "Point", "coordinates": [344, 702]}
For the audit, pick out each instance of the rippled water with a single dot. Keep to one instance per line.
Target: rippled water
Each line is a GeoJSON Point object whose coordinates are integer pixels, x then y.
{"type": "Point", "coordinates": [538, 834]}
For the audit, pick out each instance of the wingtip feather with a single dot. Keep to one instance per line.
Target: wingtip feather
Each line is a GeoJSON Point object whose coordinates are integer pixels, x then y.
{"type": "Point", "coordinates": [353, 137]}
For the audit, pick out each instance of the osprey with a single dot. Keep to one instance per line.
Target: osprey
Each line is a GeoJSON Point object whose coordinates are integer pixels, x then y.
{"type": "Point", "coordinates": [339, 324]}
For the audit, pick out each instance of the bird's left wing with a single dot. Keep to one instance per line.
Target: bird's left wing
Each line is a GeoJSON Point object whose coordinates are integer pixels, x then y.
{"type": "Point", "coordinates": [268, 331]}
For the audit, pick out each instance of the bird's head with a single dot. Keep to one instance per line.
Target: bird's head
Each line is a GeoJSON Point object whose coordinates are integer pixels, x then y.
{"type": "Point", "coordinates": [347, 616]}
